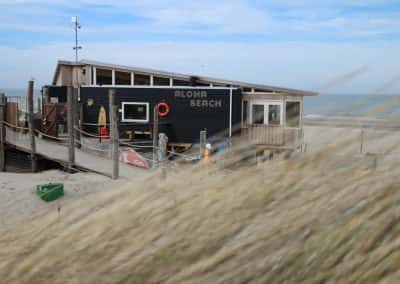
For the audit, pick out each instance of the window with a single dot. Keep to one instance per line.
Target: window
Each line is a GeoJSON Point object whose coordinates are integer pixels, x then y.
{"type": "Point", "coordinates": [160, 81]}
{"type": "Point", "coordinates": [135, 112]}
{"type": "Point", "coordinates": [122, 78]}
{"type": "Point", "coordinates": [142, 80]}
{"type": "Point", "coordinates": [274, 114]}
{"type": "Point", "coordinates": [181, 83]}
{"type": "Point", "coordinates": [293, 114]}
{"type": "Point", "coordinates": [258, 114]}
{"type": "Point", "coordinates": [103, 77]}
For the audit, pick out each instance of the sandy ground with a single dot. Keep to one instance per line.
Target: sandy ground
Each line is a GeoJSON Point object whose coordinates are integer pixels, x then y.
{"type": "Point", "coordinates": [19, 204]}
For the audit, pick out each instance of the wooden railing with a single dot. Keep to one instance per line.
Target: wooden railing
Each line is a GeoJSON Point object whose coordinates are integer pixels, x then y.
{"type": "Point", "coordinates": [273, 135]}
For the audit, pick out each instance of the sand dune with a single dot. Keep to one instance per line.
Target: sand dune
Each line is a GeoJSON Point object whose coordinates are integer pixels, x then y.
{"type": "Point", "coordinates": [318, 217]}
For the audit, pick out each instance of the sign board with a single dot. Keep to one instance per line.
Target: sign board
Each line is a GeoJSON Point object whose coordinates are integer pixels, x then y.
{"type": "Point", "coordinates": [131, 157]}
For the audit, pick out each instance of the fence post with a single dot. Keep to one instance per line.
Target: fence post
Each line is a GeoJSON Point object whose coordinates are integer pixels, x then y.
{"type": "Point", "coordinates": [162, 146]}
{"type": "Point", "coordinates": [3, 101]}
{"type": "Point", "coordinates": [70, 124]}
{"type": "Point", "coordinates": [31, 127]}
{"type": "Point", "coordinates": [155, 134]}
{"type": "Point", "coordinates": [203, 141]}
{"type": "Point", "coordinates": [76, 116]}
{"type": "Point", "coordinates": [361, 141]}
{"type": "Point", "coordinates": [162, 152]}
{"type": "Point", "coordinates": [114, 134]}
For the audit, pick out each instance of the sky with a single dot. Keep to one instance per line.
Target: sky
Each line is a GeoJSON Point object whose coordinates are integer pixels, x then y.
{"type": "Point", "coordinates": [328, 46]}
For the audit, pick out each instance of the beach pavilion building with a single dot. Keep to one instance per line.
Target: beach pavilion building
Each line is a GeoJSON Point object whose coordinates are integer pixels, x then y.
{"type": "Point", "coordinates": [186, 104]}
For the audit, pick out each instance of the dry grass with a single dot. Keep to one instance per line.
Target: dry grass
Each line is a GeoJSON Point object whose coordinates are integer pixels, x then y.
{"type": "Point", "coordinates": [315, 218]}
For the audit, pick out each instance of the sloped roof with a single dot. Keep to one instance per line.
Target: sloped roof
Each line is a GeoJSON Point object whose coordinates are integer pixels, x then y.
{"type": "Point", "coordinates": [203, 79]}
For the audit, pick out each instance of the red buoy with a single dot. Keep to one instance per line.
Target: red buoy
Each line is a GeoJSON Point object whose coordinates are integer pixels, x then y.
{"type": "Point", "coordinates": [162, 109]}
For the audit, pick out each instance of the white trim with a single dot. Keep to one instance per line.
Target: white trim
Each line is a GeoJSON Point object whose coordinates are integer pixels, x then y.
{"type": "Point", "coordinates": [132, 79]}
{"type": "Point", "coordinates": [94, 76]}
{"type": "Point", "coordinates": [151, 80]}
{"type": "Point", "coordinates": [136, 120]}
{"type": "Point", "coordinates": [266, 104]}
{"type": "Point", "coordinates": [171, 82]}
{"type": "Point", "coordinates": [159, 87]}
{"type": "Point", "coordinates": [113, 77]}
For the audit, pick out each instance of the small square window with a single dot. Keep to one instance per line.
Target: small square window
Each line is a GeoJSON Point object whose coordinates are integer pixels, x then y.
{"type": "Point", "coordinates": [103, 77]}
{"type": "Point", "coordinates": [135, 112]}
{"type": "Point", "coordinates": [122, 78]}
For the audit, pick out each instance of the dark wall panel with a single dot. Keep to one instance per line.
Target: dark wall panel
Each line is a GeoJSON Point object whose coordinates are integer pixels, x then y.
{"type": "Point", "coordinates": [191, 110]}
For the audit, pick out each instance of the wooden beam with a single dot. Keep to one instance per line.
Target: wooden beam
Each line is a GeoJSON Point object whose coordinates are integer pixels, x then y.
{"type": "Point", "coordinates": [31, 127]}
{"type": "Point", "coordinates": [114, 134]}
{"type": "Point", "coordinates": [70, 124]}
{"type": "Point", "coordinates": [155, 134]}
{"type": "Point", "coordinates": [3, 101]}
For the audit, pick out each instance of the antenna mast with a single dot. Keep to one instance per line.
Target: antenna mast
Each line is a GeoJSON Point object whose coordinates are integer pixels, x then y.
{"type": "Point", "coordinates": [77, 26]}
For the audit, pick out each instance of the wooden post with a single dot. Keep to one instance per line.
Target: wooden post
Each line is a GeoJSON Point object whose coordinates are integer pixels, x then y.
{"type": "Point", "coordinates": [162, 146]}
{"type": "Point", "coordinates": [114, 134]}
{"type": "Point", "coordinates": [3, 101]}
{"type": "Point", "coordinates": [155, 134]}
{"type": "Point", "coordinates": [162, 152]}
{"type": "Point", "coordinates": [70, 124]}
{"type": "Point", "coordinates": [361, 141]}
{"type": "Point", "coordinates": [31, 127]}
{"type": "Point", "coordinates": [77, 110]}
{"type": "Point", "coordinates": [80, 125]}
{"type": "Point", "coordinates": [203, 141]}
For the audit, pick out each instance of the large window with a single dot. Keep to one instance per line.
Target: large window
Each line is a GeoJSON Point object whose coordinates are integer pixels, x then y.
{"type": "Point", "coordinates": [142, 80]}
{"type": "Point", "coordinates": [268, 113]}
{"type": "Point", "coordinates": [135, 112]}
{"type": "Point", "coordinates": [122, 78]}
{"type": "Point", "coordinates": [274, 114]}
{"type": "Point", "coordinates": [103, 77]}
{"type": "Point", "coordinates": [293, 114]}
{"type": "Point", "coordinates": [258, 114]}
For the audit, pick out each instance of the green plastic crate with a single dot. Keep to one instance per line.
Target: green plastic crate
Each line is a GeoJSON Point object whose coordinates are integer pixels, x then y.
{"type": "Point", "coordinates": [50, 192]}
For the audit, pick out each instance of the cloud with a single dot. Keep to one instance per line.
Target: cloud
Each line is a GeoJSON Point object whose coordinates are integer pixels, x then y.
{"type": "Point", "coordinates": [293, 43]}
{"type": "Point", "coordinates": [296, 64]}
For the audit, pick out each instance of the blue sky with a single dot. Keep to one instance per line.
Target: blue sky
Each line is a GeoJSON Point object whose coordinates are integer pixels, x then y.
{"type": "Point", "coordinates": [331, 46]}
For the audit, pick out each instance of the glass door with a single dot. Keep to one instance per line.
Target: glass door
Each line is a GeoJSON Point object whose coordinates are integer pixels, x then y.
{"type": "Point", "coordinates": [268, 113]}
{"type": "Point", "coordinates": [258, 114]}
{"type": "Point", "coordinates": [274, 114]}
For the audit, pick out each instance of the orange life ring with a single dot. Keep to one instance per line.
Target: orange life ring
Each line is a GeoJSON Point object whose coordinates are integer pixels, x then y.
{"type": "Point", "coordinates": [164, 112]}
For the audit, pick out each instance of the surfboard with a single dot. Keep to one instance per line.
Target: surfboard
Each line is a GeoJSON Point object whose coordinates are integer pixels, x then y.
{"type": "Point", "coordinates": [102, 120]}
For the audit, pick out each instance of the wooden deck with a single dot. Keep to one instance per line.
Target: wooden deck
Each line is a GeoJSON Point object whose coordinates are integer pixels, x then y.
{"type": "Point", "coordinates": [274, 136]}
{"type": "Point", "coordinates": [58, 152]}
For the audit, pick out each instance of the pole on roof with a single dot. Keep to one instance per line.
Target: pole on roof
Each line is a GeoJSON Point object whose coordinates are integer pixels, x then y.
{"type": "Point", "coordinates": [77, 26]}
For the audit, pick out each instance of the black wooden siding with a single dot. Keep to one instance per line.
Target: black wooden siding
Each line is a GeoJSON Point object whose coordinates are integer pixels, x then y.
{"type": "Point", "coordinates": [183, 123]}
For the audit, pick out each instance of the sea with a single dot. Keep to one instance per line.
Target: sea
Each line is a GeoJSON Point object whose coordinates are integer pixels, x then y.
{"type": "Point", "coordinates": [324, 105]}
